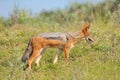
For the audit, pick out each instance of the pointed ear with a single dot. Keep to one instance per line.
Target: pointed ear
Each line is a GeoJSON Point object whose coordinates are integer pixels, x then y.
{"type": "Point", "coordinates": [86, 25]}
{"type": "Point", "coordinates": [85, 28]}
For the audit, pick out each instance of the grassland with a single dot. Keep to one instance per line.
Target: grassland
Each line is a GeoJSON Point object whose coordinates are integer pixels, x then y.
{"type": "Point", "coordinates": [102, 62]}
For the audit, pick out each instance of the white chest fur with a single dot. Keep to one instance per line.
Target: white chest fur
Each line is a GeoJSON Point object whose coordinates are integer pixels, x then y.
{"type": "Point", "coordinates": [71, 46]}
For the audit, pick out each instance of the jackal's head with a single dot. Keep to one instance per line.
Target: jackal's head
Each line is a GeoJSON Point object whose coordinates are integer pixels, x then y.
{"type": "Point", "coordinates": [86, 32]}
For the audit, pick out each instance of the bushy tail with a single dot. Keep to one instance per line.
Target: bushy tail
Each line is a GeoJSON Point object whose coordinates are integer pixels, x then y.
{"type": "Point", "coordinates": [27, 53]}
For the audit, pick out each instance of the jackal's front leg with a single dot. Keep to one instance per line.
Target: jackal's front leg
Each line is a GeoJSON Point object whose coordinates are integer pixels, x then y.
{"type": "Point", "coordinates": [66, 51]}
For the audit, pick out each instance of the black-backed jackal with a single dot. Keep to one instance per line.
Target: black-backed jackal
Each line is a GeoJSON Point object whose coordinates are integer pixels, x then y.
{"type": "Point", "coordinates": [62, 41]}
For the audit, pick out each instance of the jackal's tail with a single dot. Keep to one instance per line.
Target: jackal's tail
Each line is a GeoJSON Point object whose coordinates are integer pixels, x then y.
{"type": "Point", "coordinates": [27, 53]}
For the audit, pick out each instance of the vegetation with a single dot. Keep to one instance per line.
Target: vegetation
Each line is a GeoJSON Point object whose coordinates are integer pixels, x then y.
{"type": "Point", "coordinates": [101, 62]}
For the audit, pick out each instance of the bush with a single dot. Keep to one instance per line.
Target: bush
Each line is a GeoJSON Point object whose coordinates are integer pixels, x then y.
{"type": "Point", "coordinates": [116, 16]}
{"type": "Point", "coordinates": [18, 16]}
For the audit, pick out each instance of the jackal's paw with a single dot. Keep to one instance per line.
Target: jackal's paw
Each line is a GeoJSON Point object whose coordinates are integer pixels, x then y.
{"type": "Point", "coordinates": [25, 67]}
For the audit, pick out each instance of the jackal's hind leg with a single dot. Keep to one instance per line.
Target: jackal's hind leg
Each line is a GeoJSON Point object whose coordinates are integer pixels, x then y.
{"type": "Point", "coordinates": [33, 56]}
{"type": "Point", "coordinates": [39, 57]}
{"type": "Point", "coordinates": [57, 55]}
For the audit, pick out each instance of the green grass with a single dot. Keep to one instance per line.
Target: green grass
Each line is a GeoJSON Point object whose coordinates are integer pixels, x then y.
{"type": "Point", "coordinates": [102, 62]}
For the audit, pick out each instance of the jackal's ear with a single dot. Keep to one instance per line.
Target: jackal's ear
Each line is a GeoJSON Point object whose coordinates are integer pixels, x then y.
{"type": "Point", "coordinates": [86, 28]}
{"type": "Point", "coordinates": [86, 25]}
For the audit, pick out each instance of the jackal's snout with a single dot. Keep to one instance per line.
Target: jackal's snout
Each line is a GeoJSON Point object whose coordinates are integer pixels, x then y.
{"type": "Point", "coordinates": [90, 39]}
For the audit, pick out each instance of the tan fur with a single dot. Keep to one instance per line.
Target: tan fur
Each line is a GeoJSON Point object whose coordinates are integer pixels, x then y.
{"type": "Point", "coordinates": [39, 43]}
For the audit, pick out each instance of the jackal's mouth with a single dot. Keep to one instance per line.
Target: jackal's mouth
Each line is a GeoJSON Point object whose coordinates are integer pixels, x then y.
{"type": "Point", "coordinates": [89, 39]}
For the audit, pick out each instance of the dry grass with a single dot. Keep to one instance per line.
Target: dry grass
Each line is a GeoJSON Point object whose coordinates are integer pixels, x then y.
{"type": "Point", "coordinates": [102, 62]}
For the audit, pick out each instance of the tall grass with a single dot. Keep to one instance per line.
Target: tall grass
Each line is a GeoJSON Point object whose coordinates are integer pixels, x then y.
{"type": "Point", "coordinates": [98, 63]}
{"type": "Point", "coordinates": [101, 62]}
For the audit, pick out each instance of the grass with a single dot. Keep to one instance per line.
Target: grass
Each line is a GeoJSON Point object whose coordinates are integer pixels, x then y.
{"type": "Point", "coordinates": [102, 62]}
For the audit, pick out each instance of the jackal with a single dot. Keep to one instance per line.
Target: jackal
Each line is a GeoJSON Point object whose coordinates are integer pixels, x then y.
{"type": "Point", "coordinates": [62, 41]}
